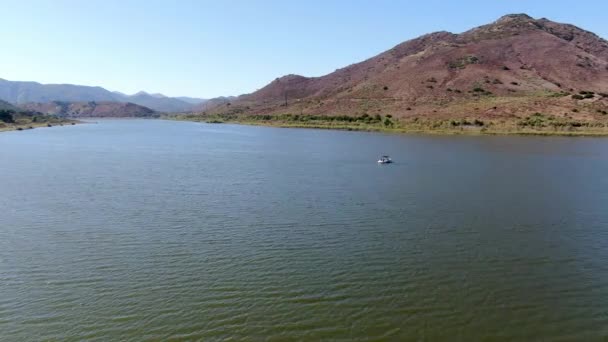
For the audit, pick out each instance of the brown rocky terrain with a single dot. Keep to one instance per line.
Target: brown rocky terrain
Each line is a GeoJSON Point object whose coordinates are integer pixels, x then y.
{"type": "Point", "coordinates": [506, 70]}
{"type": "Point", "coordinates": [91, 109]}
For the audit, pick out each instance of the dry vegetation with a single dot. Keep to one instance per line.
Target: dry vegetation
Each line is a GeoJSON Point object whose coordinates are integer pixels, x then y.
{"type": "Point", "coordinates": [501, 75]}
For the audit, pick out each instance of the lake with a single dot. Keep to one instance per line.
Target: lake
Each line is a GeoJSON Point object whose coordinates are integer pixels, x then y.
{"type": "Point", "coordinates": [164, 230]}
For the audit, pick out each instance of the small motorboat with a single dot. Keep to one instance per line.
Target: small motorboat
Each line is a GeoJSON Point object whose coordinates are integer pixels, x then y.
{"type": "Point", "coordinates": [385, 160]}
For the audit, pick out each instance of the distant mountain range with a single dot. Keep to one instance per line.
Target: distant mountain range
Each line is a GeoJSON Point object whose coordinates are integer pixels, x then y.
{"type": "Point", "coordinates": [18, 93]}
{"type": "Point", "coordinates": [90, 109]}
{"type": "Point", "coordinates": [513, 67]}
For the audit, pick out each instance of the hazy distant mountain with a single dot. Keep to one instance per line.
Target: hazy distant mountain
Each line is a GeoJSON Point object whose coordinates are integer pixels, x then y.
{"type": "Point", "coordinates": [514, 66]}
{"type": "Point", "coordinates": [23, 92]}
{"type": "Point", "coordinates": [90, 109]}
{"type": "Point", "coordinates": [213, 103]}
{"type": "Point", "coordinates": [192, 100]}
{"type": "Point", "coordinates": [159, 102]}
{"type": "Point", "coordinates": [17, 92]}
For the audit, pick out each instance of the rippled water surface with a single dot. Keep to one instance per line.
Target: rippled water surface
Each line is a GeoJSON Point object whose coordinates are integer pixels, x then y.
{"type": "Point", "coordinates": [135, 230]}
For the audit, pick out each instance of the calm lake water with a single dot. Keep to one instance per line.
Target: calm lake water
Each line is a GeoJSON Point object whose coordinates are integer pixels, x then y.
{"type": "Point", "coordinates": [160, 230]}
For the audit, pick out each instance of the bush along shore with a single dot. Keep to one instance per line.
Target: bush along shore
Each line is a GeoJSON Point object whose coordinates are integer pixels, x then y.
{"type": "Point", "coordinates": [535, 124]}
{"type": "Point", "coordinates": [18, 121]}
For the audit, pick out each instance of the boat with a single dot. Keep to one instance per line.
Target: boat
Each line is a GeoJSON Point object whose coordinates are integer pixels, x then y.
{"type": "Point", "coordinates": [385, 160]}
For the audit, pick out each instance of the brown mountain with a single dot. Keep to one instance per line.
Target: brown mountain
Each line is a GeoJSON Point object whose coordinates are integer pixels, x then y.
{"type": "Point", "coordinates": [514, 66]}
{"type": "Point", "coordinates": [91, 109]}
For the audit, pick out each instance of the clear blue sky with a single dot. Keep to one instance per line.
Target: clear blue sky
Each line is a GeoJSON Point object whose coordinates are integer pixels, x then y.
{"type": "Point", "coordinates": [212, 48]}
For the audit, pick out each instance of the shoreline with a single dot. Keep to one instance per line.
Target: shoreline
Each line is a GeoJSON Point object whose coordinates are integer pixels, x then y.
{"type": "Point", "coordinates": [423, 129]}
{"type": "Point", "coordinates": [30, 126]}
{"type": "Point", "coordinates": [470, 131]}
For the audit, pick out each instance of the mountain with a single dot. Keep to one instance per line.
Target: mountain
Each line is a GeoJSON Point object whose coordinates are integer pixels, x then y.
{"type": "Point", "coordinates": [159, 102]}
{"type": "Point", "coordinates": [191, 100]}
{"type": "Point", "coordinates": [514, 66]}
{"type": "Point", "coordinates": [17, 92]}
{"type": "Point", "coordinates": [23, 92]}
{"type": "Point", "coordinates": [91, 109]}
{"type": "Point", "coordinates": [213, 103]}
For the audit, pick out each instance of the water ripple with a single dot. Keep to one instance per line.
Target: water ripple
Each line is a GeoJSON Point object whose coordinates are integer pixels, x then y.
{"type": "Point", "coordinates": [178, 231]}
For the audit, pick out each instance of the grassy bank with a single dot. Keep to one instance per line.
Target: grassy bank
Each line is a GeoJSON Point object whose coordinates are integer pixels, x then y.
{"type": "Point", "coordinates": [25, 123]}
{"type": "Point", "coordinates": [537, 124]}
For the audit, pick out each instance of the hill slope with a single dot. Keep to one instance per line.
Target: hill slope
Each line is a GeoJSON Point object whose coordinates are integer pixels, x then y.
{"type": "Point", "coordinates": [509, 69]}
{"type": "Point", "coordinates": [91, 109]}
{"type": "Point", "coordinates": [25, 92]}
{"type": "Point", "coordinates": [7, 106]}
{"type": "Point", "coordinates": [15, 118]}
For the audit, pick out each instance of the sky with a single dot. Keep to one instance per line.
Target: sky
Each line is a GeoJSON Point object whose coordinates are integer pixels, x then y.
{"type": "Point", "coordinates": [218, 48]}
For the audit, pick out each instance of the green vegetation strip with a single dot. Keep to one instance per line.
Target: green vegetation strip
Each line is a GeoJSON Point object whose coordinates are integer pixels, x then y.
{"type": "Point", "coordinates": [11, 120]}
{"type": "Point", "coordinates": [536, 124]}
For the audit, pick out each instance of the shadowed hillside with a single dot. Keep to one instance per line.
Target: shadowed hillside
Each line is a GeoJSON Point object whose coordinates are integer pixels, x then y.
{"type": "Point", "coordinates": [91, 109]}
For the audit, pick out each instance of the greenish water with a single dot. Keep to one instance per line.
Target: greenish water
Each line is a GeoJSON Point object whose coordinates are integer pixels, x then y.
{"type": "Point", "coordinates": [161, 230]}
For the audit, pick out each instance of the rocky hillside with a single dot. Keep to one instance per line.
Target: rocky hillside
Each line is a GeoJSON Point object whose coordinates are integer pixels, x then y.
{"type": "Point", "coordinates": [91, 109]}
{"type": "Point", "coordinates": [512, 67]}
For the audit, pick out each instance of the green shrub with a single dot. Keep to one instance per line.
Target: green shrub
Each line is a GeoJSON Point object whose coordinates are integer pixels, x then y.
{"type": "Point", "coordinates": [534, 120]}
{"type": "Point", "coordinates": [7, 116]}
{"type": "Point", "coordinates": [577, 97]}
{"type": "Point", "coordinates": [462, 62]}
